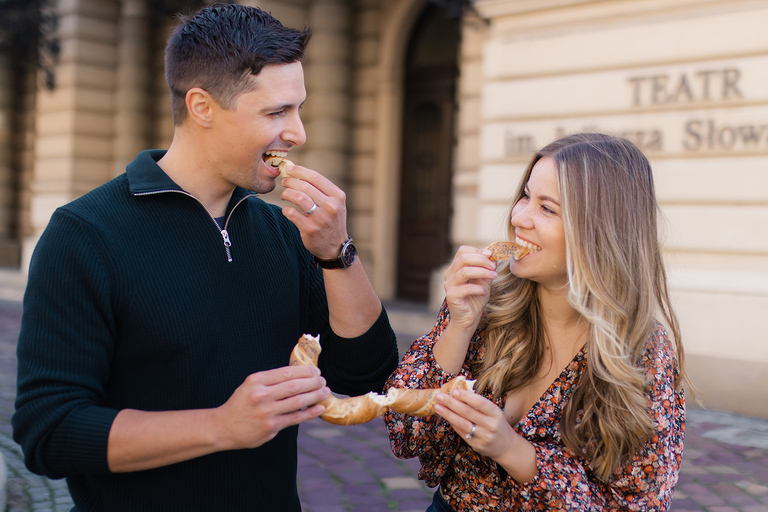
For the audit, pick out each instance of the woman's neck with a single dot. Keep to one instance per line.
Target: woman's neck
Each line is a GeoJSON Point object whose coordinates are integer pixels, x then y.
{"type": "Point", "coordinates": [565, 327]}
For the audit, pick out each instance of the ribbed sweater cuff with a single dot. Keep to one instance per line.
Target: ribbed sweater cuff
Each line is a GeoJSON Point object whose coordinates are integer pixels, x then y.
{"type": "Point", "coordinates": [373, 344]}
{"type": "Point", "coordinates": [368, 358]}
{"type": "Point", "coordinates": [80, 443]}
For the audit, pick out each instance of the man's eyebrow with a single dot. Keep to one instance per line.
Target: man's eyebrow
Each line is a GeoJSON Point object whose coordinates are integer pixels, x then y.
{"type": "Point", "coordinates": [284, 106]}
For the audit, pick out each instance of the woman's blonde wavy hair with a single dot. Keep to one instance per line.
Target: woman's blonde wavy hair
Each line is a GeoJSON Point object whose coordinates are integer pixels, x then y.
{"type": "Point", "coordinates": [617, 282]}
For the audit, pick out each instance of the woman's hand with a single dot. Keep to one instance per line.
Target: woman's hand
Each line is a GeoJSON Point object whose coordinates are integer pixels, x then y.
{"type": "Point", "coordinates": [463, 409]}
{"type": "Point", "coordinates": [468, 286]}
{"type": "Point", "coordinates": [467, 290]}
{"type": "Point", "coordinates": [485, 428]}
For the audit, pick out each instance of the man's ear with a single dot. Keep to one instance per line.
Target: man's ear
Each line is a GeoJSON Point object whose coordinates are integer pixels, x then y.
{"type": "Point", "coordinates": [200, 106]}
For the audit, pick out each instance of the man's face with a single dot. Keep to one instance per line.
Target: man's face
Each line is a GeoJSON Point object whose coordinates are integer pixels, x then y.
{"type": "Point", "coordinates": [265, 119]}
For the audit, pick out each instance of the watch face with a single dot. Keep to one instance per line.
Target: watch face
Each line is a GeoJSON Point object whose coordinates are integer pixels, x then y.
{"type": "Point", "coordinates": [348, 253]}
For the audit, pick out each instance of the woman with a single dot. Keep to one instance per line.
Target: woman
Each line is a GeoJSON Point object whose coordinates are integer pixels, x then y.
{"type": "Point", "coordinates": [579, 402]}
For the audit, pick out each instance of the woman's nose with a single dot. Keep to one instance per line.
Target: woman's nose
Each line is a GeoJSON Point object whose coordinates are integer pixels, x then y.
{"type": "Point", "coordinates": [521, 215]}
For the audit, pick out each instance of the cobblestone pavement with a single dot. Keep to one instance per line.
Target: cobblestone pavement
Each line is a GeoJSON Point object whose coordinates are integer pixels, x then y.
{"type": "Point", "coordinates": [351, 469]}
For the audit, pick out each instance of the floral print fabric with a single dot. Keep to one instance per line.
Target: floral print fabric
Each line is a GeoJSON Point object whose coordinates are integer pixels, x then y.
{"type": "Point", "coordinates": [472, 482]}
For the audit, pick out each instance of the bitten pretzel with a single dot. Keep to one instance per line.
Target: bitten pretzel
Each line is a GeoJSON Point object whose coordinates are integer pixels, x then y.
{"type": "Point", "coordinates": [505, 250]}
{"type": "Point", "coordinates": [364, 408]}
{"type": "Point", "coordinates": [279, 163]}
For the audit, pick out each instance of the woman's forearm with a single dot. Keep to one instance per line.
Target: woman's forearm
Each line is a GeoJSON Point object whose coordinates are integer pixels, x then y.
{"type": "Point", "coordinates": [450, 349]}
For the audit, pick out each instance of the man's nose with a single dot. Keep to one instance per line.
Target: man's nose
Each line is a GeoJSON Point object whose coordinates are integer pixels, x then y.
{"type": "Point", "coordinates": [294, 132]}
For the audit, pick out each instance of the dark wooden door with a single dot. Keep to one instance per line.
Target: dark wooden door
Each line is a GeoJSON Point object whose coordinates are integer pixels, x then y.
{"type": "Point", "coordinates": [425, 191]}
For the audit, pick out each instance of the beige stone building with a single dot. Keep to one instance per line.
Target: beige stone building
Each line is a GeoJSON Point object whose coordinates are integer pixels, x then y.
{"type": "Point", "coordinates": [426, 120]}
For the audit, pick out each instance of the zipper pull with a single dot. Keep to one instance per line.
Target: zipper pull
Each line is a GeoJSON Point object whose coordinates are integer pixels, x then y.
{"type": "Point", "coordinates": [227, 244]}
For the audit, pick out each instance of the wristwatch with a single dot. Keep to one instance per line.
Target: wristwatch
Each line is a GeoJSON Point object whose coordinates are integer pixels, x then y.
{"type": "Point", "coordinates": [346, 257]}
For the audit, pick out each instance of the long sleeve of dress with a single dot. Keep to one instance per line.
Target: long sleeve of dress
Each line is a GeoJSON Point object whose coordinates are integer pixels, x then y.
{"type": "Point", "coordinates": [413, 436]}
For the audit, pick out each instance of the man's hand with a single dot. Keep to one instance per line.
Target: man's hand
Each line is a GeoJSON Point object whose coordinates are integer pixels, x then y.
{"type": "Point", "coordinates": [269, 401]}
{"type": "Point", "coordinates": [324, 229]}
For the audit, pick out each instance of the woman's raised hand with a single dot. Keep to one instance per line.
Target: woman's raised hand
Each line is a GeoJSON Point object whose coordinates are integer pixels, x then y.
{"type": "Point", "coordinates": [467, 289]}
{"type": "Point", "coordinates": [468, 286]}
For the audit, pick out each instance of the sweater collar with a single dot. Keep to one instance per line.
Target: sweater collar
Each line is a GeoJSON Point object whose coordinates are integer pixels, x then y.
{"type": "Point", "coordinates": [146, 177]}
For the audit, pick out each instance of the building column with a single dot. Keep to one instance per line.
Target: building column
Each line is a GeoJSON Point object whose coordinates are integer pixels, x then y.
{"type": "Point", "coordinates": [327, 77]}
{"type": "Point", "coordinates": [7, 200]}
{"type": "Point", "coordinates": [365, 41]}
{"type": "Point", "coordinates": [131, 94]}
{"type": "Point", "coordinates": [74, 121]}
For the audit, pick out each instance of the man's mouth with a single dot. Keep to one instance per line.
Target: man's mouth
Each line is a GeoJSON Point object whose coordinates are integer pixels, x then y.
{"type": "Point", "coordinates": [272, 154]}
{"type": "Point", "coordinates": [278, 160]}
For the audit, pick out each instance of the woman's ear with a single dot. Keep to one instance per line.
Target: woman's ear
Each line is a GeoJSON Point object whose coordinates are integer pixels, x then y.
{"type": "Point", "coordinates": [200, 106]}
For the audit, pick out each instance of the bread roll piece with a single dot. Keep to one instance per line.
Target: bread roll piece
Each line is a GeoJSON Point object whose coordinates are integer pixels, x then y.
{"type": "Point", "coordinates": [421, 402]}
{"type": "Point", "coordinates": [352, 410]}
{"type": "Point", "coordinates": [306, 351]}
{"type": "Point", "coordinates": [505, 250]}
{"type": "Point", "coordinates": [283, 164]}
{"type": "Point", "coordinates": [364, 408]}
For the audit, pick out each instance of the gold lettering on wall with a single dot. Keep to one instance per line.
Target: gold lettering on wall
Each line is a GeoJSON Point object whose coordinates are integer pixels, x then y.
{"type": "Point", "coordinates": [675, 88]}
{"type": "Point", "coordinates": [646, 140]}
{"type": "Point", "coordinates": [707, 134]}
{"type": "Point", "coordinates": [697, 133]}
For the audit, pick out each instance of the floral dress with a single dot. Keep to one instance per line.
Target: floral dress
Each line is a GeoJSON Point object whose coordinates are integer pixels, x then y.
{"type": "Point", "coordinates": [564, 481]}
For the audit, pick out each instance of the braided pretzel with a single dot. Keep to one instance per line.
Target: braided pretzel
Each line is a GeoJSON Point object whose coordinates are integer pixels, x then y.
{"type": "Point", "coordinates": [364, 408]}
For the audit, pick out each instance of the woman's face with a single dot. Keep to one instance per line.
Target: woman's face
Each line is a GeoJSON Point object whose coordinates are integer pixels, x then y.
{"type": "Point", "coordinates": [537, 219]}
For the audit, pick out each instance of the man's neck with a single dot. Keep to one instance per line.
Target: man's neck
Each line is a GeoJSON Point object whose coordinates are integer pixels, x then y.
{"type": "Point", "coordinates": [182, 164]}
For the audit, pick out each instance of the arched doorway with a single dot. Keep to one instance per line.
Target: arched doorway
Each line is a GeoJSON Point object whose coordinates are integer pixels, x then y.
{"type": "Point", "coordinates": [17, 93]}
{"type": "Point", "coordinates": [427, 150]}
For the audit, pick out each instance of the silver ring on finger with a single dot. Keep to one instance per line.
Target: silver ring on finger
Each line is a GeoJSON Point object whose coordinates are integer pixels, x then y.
{"type": "Point", "coordinates": [311, 210]}
{"type": "Point", "coordinates": [472, 432]}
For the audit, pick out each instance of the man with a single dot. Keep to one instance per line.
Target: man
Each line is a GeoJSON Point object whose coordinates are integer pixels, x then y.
{"type": "Point", "coordinates": [162, 307]}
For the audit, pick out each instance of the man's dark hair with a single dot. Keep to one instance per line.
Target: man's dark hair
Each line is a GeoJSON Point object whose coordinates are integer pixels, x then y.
{"type": "Point", "coordinates": [221, 47]}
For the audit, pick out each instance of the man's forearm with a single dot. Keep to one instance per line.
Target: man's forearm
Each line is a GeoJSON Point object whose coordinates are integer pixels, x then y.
{"type": "Point", "coordinates": [352, 303]}
{"type": "Point", "coordinates": [140, 440]}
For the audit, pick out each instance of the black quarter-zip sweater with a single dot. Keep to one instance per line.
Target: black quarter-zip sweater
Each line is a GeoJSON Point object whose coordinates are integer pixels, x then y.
{"type": "Point", "coordinates": [136, 299]}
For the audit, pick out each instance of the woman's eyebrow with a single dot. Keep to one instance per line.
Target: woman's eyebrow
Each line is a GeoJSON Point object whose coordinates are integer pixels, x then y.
{"type": "Point", "coordinates": [544, 197]}
{"type": "Point", "coordinates": [541, 197]}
